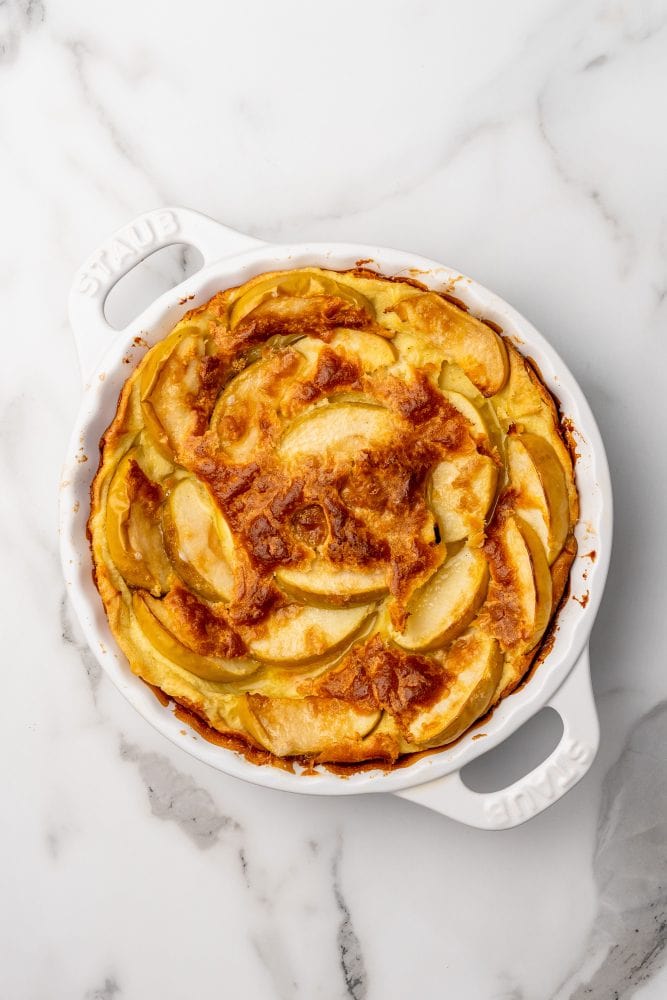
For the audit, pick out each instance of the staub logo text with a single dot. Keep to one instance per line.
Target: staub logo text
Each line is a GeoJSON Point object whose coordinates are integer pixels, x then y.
{"type": "Point", "coordinates": [548, 783]}
{"type": "Point", "coordinates": [127, 246]}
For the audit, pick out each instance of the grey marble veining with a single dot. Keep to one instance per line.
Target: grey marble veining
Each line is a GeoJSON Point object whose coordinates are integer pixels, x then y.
{"type": "Point", "coordinates": [629, 936]}
{"type": "Point", "coordinates": [16, 17]}
{"type": "Point", "coordinates": [176, 797]}
{"type": "Point", "coordinates": [351, 957]}
{"type": "Point", "coordinates": [107, 991]}
{"type": "Point", "coordinates": [69, 635]}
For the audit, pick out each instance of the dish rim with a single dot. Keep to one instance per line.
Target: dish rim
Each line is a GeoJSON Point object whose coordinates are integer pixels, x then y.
{"type": "Point", "coordinates": [593, 532]}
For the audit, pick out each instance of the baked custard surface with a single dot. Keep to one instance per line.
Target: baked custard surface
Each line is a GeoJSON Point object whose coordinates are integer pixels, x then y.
{"type": "Point", "coordinates": [333, 516]}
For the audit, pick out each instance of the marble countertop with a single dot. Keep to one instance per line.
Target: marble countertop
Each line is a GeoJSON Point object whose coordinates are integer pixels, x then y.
{"type": "Point", "coordinates": [521, 143]}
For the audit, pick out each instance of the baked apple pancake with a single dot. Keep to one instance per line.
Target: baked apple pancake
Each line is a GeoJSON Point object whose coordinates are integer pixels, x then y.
{"type": "Point", "coordinates": [334, 517]}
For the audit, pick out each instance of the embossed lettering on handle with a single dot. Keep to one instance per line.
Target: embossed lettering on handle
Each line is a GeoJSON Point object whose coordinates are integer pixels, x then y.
{"type": "Point", "coordinates": [570, 762]}
{"type": "Point", "coordinates": [127, 248]}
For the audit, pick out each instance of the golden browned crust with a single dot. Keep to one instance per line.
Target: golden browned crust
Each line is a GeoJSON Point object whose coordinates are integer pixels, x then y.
{"type": "Point", "coordinates": [333, 517]}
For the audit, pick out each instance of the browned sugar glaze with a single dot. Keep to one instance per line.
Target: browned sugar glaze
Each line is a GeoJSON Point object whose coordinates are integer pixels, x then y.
{"type": "Point", "coordinates": [187, 420]}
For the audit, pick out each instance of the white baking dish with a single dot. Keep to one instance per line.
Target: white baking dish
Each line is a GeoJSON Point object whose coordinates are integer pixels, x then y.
{"type": "Point", "coordinates": [561, 681]}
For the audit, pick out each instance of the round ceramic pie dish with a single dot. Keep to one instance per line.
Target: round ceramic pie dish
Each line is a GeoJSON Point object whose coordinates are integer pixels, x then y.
{"type": "Point", "coordinates": [562, 677]}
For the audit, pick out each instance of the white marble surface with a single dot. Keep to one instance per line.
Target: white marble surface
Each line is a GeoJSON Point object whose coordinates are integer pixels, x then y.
{"type": "Point", "coordinates": [523, 143]}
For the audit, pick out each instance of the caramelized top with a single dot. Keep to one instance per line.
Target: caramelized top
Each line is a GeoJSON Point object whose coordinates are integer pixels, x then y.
{"type": "Point", "coordinates": [326, 513]}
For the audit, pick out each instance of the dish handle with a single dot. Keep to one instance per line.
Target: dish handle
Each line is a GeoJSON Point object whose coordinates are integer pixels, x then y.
{"type": "Point", "coordinates": [128, 247]}
{"type": "Point", "coordinates": [541, 787]}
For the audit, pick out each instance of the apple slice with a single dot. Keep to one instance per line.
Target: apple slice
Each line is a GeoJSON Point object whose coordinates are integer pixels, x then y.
{"type": "Point", "coordinates": [300, 284]}
{"type": "Point", "coordinates": [467, 409]}
{"type": "Point", "coordinates": [345, 428]}
{"type": "Point", "coordinates": [538, 477]}
{"type": "Point", "coordinates": [168, 378]}
{"type": "Point", "coordinates": [475, 664]}
{"type": "Point", "coordinates": [369, 349]}
{"type": "Point", "coordinates": [446, 604]}
{"type": "Point", "coordinates": [463, 340]}
{"type": "Point", "coordinates": [156, 622]}
{"type": "Point", "coordinates": [520, 595]}
{"type": "Point", "coordinates": [245, 413]}
{"type": "Point", "coordinates": [198, 541]}
{"type": "Point", "coordinates": [462, 491]}
{"type": "Point", "coordinates": [523, 399]}
{"type": "Point", "coordinates": [298, 634]}
{"type": "Point", "coordinates": [463, 487]}
{"type": "Point", "coordinates": [329, 584]}
{"type": "Point", "coordinates": [133, 530]}
{"type": "Point", "coordinates": [453, 379]}
{"type": "Point", "coordinates": [290, 726]}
